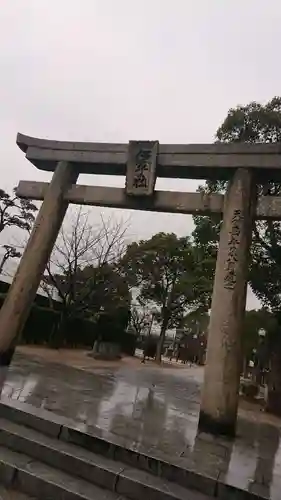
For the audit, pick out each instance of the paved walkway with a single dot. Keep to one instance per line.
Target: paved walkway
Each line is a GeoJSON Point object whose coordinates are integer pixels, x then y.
{"type": "Point", "coordinates": [155, 411]}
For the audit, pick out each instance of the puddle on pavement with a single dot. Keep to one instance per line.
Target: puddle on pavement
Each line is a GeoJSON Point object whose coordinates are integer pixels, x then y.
{"type": "Point", "coordinates": [19, 388]}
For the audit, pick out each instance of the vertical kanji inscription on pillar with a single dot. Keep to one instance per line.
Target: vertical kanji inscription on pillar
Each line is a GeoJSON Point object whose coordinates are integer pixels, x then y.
{"type": "Point", "coordinates": [232, 258]}
{"type": "Point", "coordinates": [141, 168]}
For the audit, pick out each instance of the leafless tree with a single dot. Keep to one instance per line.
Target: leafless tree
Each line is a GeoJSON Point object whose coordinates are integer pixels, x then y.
{"type": "Point", "coordinates": [140, 319]}
{"type": "Point", "coordinates": [83, 265]}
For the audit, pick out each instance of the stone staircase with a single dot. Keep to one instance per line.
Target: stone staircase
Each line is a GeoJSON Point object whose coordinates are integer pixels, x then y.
{"type": "Point", "coordinates": [44, 457]}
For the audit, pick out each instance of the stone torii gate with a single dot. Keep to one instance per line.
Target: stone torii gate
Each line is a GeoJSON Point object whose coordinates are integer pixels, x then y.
{"type": "Point", "coordinates": [244, 165]}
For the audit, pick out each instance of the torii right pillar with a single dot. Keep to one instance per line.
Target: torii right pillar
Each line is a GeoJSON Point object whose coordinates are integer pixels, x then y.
{"type": "Point", "coordinates": [219, 405]}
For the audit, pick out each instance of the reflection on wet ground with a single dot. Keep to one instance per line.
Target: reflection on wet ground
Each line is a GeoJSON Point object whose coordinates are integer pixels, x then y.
{"type": "Point", "coordinates": [154, 411]}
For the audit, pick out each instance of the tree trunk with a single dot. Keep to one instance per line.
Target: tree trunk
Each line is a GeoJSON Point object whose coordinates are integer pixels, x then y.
{"type": "Point", "coordinates": [97, 344]}
{"type": "Point", "coordinates": [2, 264]}
{"type": "Point", "coordinates": [58, 335]}
{"type": "Point", "coordinates": [161, 340]}
{"type": "Point", "coordinates": [245, 367]}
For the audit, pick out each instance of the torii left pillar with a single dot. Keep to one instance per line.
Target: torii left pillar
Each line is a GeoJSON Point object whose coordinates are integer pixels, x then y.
{"type": "Point", "coordinates": [16, 307]}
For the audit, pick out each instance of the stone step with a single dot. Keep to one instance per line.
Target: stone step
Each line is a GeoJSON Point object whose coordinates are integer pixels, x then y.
{"type": "Point", "coordinates": [22, 473]}
{"type": "Point", "coordinates": [101, 471]}
{"type": "Point", "coordinates": [64, 430]}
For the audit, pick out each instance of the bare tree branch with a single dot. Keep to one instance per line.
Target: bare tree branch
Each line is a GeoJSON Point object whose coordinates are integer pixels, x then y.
{"type": "Point", "coordinates": [81, 251]}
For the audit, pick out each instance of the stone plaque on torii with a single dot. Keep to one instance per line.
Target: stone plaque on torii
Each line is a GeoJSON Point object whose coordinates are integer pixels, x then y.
{"type": "Point", "coordinates": [243, 165]}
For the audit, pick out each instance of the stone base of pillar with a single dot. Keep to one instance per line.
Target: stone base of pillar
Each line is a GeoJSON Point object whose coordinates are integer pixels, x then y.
{"type": "Point", "coordinates": [209, 424]}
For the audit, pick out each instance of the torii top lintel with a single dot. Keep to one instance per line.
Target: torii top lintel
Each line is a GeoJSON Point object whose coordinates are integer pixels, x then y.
{"type": "Point", "coordinates": [191, 161]}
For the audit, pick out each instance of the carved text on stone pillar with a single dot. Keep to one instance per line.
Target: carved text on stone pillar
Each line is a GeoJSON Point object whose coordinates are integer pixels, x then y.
{"type": "Point", "coordinates": [141, 168]}
{"type": "Point", "coordinates": [233, 242]}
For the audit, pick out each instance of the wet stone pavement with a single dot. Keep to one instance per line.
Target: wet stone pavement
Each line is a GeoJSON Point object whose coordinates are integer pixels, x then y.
{"type": "Point", "coordinates": [154, 411]}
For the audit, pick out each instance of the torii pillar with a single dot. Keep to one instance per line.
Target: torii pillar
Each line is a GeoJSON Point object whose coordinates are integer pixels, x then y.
{"type": "Point", "coordinates": [22, 292]}
{"type": "Point", "coordinates": [223, 367]}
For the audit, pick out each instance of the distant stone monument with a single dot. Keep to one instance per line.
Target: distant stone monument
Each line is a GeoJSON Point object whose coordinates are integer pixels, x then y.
{"type": "Point", "coordinates": [106, 351]}
{"type": "Point", "coordinates": [243, 165]}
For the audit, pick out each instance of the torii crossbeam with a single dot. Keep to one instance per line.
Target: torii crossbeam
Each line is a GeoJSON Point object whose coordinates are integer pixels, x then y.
{"type": "Point", "coordinates": [243, 165]}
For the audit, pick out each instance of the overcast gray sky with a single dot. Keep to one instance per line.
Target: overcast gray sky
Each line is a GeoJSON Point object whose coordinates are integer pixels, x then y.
{"type": "Point", "coordinates": [114, 70]}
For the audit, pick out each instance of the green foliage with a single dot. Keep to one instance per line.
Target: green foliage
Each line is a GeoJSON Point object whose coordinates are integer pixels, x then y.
{"type": "Point", "coordinates": [18, 213]}
{"type": "Point", "coordinates": [254, 321]}
{"type": "Point", "coordinates": [41, 327]}
{"type": "Point", "coordinates": [113, 328]}
{"type": "Point", "coordinates": [168, 272]}
{"type": "Point", "coordinates": [10, 252]}
{"type": "Point", "coordinates": [99, 294]}
{"type": "Point", "coordinates": [15, 211]}
{"type": "Point", "coordinates": [79, 332]}
{"type": "Point", "coordinates": [252, 123]}
{"type": "Point", "coordinates": [196, 321]}
{"type": "Point", "coordinates": [101, 290]}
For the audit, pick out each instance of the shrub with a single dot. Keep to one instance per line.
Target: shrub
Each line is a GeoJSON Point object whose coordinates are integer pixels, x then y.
{"type": "Point", "coordinates": [41, 328]}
